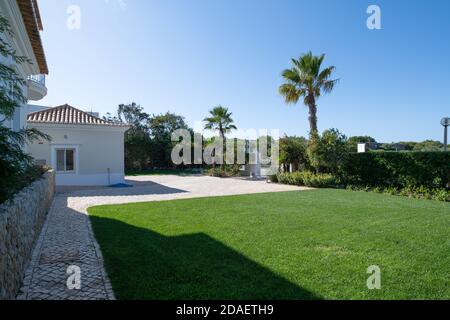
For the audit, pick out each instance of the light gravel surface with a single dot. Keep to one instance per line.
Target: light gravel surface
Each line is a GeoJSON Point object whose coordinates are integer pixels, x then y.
{"type": "Point", "coordinates": [67, 238]}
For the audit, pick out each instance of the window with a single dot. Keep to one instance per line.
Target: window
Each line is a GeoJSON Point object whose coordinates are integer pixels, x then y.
{"type": "Point", "coordinates": [65, 160]}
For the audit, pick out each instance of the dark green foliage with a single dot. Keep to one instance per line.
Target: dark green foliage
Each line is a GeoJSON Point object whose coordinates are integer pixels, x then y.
{"type": "Point", "coordinates": [161, 128]}
{"type": "Point", "coordinates": [148, 143]}
{"type": "Point", "coordinates": [16, 169]}
{"type": "Point", "coordinates": [397, 169]}
{"type": "Point", "coordinates": [12, 182]}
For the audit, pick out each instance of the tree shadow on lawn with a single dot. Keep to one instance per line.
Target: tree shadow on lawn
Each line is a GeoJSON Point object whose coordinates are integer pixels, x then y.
{"type": "Point", "coordinates": [145, 265]}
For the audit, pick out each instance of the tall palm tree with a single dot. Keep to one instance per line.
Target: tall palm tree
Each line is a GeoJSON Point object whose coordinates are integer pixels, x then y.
{"type": "Point", "coordinates": [220, 120]}
{"type": "Point", "coordinates": [305, 79]}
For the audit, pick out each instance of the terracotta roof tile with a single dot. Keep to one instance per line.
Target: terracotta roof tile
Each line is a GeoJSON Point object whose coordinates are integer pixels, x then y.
{"type": "Point", "coordinates": [66, 114]}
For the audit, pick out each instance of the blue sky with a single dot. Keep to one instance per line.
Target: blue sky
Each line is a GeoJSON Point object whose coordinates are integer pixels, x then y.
{"type": "Point", "coordinates": [187, 56]}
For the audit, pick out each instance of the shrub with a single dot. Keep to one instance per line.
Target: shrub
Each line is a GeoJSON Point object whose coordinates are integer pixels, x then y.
{"type": "Point", "coordinates": [306, 178]}
{"type": "Point", "coordinates": [229, 171]}
{"type": "Point", "coordinates": [397, 169]}
{"type": "Point", "coordinates": [17, 183]}
{"type": "Point", "coordinates": [420, 192]}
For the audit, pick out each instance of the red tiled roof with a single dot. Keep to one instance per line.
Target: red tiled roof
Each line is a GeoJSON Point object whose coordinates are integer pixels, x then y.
{"type": "Point", "coordinates": [66, 114]}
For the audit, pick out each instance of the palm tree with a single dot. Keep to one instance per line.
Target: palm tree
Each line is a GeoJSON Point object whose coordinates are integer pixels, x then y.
{"type": "Point", "coordinates": [306, 80]}
{"type": "Point", "coordinates": [220, 120]}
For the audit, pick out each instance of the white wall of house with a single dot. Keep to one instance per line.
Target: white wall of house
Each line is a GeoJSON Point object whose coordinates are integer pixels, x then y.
{"type": "Point", "coordinates": [99, 153]}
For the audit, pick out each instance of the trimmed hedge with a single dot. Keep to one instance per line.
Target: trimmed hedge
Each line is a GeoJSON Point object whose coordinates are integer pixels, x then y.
{"type": "Point", "coordinates": [397, 169]}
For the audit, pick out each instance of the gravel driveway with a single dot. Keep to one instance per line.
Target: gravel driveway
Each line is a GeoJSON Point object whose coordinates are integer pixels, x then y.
{"type": "Point", "coordinates": [67, 238]}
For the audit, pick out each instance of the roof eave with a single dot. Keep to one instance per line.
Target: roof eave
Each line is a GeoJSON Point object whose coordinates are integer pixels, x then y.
{"type": "Point", "coordinates": [33, 24]}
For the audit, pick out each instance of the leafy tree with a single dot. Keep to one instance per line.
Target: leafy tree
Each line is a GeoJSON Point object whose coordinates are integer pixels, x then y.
{"type": "Point", "coordinates": [293, 151]}
{"type": "Point", "coordinates": [409, 145]}
{"type": "Point", "coordinates": [429, 145]}
{"type": "Point", "coordinates": [327, 152]}
{"type": "Point", "coordinates": [220, 120]}
{"type": "Point", "coordinates": [148, 143]}
{"type": "Point", "coordinates": [137, 139]}
{"type": "Point", "coordinates": [161, 128]}
{"type": "Point", "coordinates": [305, 79]}
{"type": "Point", "coordinates": [15, 164]}
{"type": "Point", "coordinates": [352, 142]}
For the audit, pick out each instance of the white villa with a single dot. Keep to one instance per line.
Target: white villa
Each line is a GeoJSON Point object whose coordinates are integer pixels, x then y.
{"type": "Point", "coordinates": [84, 150]}
{"type": "Point", "coordinates": [26, 24]}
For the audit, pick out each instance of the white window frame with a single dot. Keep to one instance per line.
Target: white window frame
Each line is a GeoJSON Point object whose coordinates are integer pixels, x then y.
{"type": "Point", "coordinates": [55, 148]}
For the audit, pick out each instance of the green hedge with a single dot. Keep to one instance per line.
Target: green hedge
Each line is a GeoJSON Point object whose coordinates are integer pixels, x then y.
{"type": "Point", "coordinates": [397, 169]}
{"type": "Point", "coordinates": [306, 178]}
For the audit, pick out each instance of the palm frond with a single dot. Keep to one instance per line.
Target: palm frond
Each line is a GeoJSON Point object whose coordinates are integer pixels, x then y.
{"type": "Point", "coordinates": [290, 93]}
{"type": "Point", "coordinates": [328, 86]}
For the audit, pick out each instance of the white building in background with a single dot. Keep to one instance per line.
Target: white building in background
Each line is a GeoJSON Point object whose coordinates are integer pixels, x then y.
{"type": "Point", "coordinates": [26, 24]}
{"type": "Point", "coordinates": [85, 150]}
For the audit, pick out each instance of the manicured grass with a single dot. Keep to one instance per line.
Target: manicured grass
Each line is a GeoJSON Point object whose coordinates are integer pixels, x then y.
{"type": "Point", "coordinates": [294, 245]}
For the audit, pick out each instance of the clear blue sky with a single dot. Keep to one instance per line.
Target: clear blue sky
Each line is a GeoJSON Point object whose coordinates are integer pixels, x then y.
{"type": "Point", "coordinates": [188, 56]}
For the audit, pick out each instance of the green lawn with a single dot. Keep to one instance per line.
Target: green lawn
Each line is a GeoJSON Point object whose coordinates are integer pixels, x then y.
{"type": "Point", "coordinates": [293, 245]}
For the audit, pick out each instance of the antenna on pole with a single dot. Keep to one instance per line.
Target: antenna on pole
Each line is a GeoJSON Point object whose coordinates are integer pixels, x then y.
{"type": "Point", "coordinates": [445, 122]}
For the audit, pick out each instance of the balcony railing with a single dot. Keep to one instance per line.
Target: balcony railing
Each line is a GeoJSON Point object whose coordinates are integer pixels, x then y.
{"type": "Point", "coordinates": [39, 78]}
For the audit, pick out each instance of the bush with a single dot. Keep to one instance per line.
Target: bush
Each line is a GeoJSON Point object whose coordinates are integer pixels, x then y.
{"type": "Point", "coordinates": [229, 171]}
{"type": "Point", "coordinates": [397, 169]}
{"type": "Point", "coordinates": [420, 192]}
{"type": "Point", "coordinates": [306, 178]}
{"type": "Point", "coordinates": [15, 183]}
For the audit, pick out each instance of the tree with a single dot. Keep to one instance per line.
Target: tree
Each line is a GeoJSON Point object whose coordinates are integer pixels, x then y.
{"type": "Point", "coordinates": [293, 151]}
{"type": "Point", "coordinates": [305, 79]}
{"type": "Point", "coordinates": [161, 128]}
{"type": "Point", "coordinates": [148, 143]}
{"type": "Point", "coordinates": [220, 120]}
{"type": "Point", "coordinates": [14, 162]}
{"type": "Point", "coordinates": [429, 145]}
{"type": "Point", "coordinates": [137, 139]}
{"type": "Point", "coordinates": [352, 142]}
{"type": "Point", "coordinates": [327, 152]}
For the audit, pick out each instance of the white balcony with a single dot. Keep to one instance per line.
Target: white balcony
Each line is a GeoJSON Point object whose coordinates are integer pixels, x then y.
{"type": "Point", "coordinates": [36, 87]}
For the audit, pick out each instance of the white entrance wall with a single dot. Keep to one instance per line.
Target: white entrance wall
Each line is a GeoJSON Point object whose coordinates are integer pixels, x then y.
{"type": "Point", "coordinates": [99, 153]}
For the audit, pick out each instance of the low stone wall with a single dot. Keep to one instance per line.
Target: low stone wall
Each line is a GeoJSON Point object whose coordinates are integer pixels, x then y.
{"type": "Point", "coordinates": [21, 220]}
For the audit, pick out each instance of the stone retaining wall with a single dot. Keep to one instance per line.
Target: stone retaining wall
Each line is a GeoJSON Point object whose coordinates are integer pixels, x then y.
{"type": "Point", "coordinates": [21, 220]}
